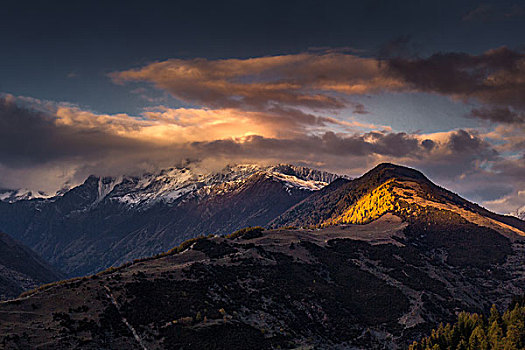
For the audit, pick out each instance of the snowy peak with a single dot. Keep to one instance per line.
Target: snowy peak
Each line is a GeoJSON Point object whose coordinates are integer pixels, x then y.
{"type": "Point", "coordinates": [304, 173]}
{"type": "Point", "coordinates": [179, 183]}
{"type": "Point", "coordinates": [12, 196]}
{"type": "Point", "coordinates": [519, 213]}
{"type": "Point", "coordinates": [176, 183]}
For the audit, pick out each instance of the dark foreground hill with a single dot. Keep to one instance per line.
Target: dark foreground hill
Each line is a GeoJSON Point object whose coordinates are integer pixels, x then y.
{"type": "Point", "coordinates": [21, 268]}
{"type": "Point", "coordinates": [388, 257]}
{"type": "Point", "coordinates": [361, 287]}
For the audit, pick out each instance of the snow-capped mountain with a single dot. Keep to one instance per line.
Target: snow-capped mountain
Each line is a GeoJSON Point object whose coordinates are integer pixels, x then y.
{"type": "Point", "coordinates": [11, 196]}
{"type": "Point", "coordinates": [170, 185]}
{"type": "Point", "coordinates": [519, 213]}
{"type": "Point", "coordinates": [110, 220]}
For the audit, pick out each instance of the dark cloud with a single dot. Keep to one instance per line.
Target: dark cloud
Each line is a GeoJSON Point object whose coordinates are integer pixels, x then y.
{"type": "Point", "coordinates": [359, 108]}
{"type": "Point", "coordinates": [498, 114]}
{"type": "Point", "coordinates": [494, 12]}
{"type": "Point", "coordinates": [316, 147]}
{"type": "Point", "coordinates": [495, 78]}
{"type": "Point", "coordinates": [31, 137]}
{"type": "Point", "coordinates": [428, 144]}
{"type": "Point", "coordinates": [457, 161]}
{"type": "Point", "coordinates": [463, 142]}
{"type": "Point", "coordinates": [402, 46]}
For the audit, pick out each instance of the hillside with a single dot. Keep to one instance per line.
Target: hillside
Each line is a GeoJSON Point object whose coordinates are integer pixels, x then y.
{"type": "Point", "coordinates": [358, 286]}
{"type": "Point", "coordinates": [109, 221]}
{"type": "Point", "coordinates": [21, 269]}
{"type": "Point", "coordinates": [388, 257]}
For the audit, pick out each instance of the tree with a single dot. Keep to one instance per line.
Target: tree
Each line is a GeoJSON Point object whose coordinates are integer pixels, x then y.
{"type": "Point", "coordinates": [462, 345]}
{"type": "Point", "coordinates": [478, 339]}
{"type": "Point", "coordinates": [494, 315]}
{"type": "Point", "coordinates": [495, 335]}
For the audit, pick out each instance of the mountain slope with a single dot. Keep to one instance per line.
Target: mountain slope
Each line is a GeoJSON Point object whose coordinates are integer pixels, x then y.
{"type": "Point", "coordinates": [21, 269]}
{"type": "Point", "coordinates": [108, 221]}
{"type": "Point", "coordinates": [356, 287]}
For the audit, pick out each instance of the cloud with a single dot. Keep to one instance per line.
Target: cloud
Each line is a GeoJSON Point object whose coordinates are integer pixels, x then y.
{"type": "Point", "coordinates": [495, 78]}
{"type": "Point", "coordinates": [29, 136]}
{"type": "Point", "coordinates": [327, 82]}
{"type": "Point", "coordinates": [402, 46]}
{"type": "Point", "coordinates": [455, 154]}
{"type": "Point", "coordinates": [483, 13]}
{"type": "Point", "coordinates": [316, 147]}
{"type": "Point", "coordinates": [44, 145]}
{"type": "Point", "coordinates": [307, 80]}
{"type": "Point", "coordinates": [45, 138]}
{"type": "Point", "coordinates": [509, 171]}
{"type": "Point", "coordinates": [291, 108]}
{"type": "Point", "coordinates": [492, 12]}
{"type": "Point", "coordinates": [360, 108]}
{"type": "Point", "coordinates": [498, 114]}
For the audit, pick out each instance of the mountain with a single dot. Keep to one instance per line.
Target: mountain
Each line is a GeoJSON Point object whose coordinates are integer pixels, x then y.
{"type": "Point", "coordinates": [468, 233]}
{"type": "Point", "coordinates": [348, 201]}
{"type": "Point", "coordinates": [372, 263]}
{"type": "Point", "coordinates": [107, 221]}
{"type": "Point", "coordinates": [21, 269]}
{"type": "Point", "coordinates": [10, 196]}
{"type": "Point", "coordinates": [519, 213]}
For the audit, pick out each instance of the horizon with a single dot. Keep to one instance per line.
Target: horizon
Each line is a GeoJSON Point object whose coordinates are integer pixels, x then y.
{"type": "Point", "coordinates": [110, 89]}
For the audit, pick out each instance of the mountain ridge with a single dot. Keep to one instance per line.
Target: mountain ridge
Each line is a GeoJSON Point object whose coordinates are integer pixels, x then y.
{"type": "Point", "coordinates": [314, 179]}
{"type": "Point", "coordinates": [109, 220]}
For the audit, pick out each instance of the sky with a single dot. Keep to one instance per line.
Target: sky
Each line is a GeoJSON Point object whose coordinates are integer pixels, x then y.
{"type": "Point", "coordinates": [123, 87]}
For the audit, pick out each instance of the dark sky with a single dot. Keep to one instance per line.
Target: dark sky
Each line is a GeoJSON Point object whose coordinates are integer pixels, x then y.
{"type": "Point", "coordinates": [109, 87]}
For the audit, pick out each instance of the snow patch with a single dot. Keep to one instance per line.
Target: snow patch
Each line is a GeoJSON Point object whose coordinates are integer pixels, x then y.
{"type": "Point", "coordinates": [12, 196]}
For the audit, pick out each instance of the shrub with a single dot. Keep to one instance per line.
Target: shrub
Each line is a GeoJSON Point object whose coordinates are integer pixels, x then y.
{"type": "Point", "coordinates": [247, 233]}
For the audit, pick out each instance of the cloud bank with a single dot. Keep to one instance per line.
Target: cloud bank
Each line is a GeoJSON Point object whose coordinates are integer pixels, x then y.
{"type": "Point", "coordinates": [291, 108]}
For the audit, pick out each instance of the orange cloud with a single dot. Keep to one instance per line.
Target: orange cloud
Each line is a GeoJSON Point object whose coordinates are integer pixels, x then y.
{"type": "Point", "coordinates": [324, 81]}
{"type": "Point", "coordinates": [303, 80]}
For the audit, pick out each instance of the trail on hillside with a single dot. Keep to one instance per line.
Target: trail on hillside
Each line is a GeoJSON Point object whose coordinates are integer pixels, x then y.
{"type": "Point", "coordinates": [110, 296]}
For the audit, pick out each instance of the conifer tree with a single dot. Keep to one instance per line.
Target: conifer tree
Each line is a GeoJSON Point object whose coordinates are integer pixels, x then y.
{"type": "Point", "coordinates": [495, 335]}
{"type": "Point", "coordinates": [494, 315]}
